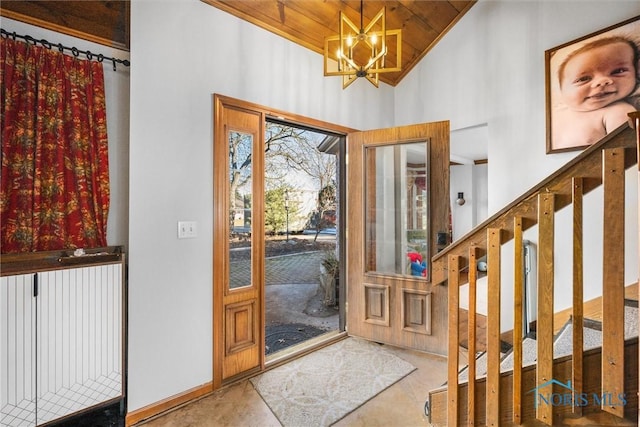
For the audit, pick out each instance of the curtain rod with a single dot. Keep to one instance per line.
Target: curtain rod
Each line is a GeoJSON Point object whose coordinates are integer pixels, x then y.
{"type": "Point", "coordinates": [74, 50]}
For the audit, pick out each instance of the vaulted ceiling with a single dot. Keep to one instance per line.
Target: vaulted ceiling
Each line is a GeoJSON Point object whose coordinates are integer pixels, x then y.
{"type": "Point", "coordinates": [308, 22]}
{"type": "Point", "coordinates": [305, 22]}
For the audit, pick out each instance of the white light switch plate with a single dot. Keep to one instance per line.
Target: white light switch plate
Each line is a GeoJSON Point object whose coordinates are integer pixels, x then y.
{"type": "Point", "coordinates": [187, 229]}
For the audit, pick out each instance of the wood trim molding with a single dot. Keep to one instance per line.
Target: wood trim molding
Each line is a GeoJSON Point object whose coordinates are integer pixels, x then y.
{"type": "Point", "coordinates": [280, 115]}
{"type": "Point", "coordinates": [171, 402]}
{"type": "Point", "coordinates": [63, 29]}
{"type": "Point", "coordinates": [33, 262]}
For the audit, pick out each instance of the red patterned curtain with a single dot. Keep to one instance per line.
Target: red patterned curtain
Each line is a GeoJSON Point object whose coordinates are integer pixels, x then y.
{"type": "Point", "coordinates": [55, 173]}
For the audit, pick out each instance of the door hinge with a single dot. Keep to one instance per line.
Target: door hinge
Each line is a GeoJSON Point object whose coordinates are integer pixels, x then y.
{"type": "Point", "coordinates": [35, 285]}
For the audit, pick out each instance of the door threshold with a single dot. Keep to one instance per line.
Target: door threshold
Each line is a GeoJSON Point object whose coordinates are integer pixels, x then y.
{"type": "Point", "coordinates": [303, 348]}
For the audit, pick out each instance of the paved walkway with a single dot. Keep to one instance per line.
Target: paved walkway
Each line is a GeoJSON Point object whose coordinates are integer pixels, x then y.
{"type": "Point", "coordinates": [292, 290]}
{"type": "Point", "coordinates": [295, 268]}
{"type": "Point", "coordinates": [282, 270]}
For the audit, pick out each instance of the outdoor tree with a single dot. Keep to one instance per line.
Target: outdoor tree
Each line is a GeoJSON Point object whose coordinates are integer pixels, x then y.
{"type": "Point", "coordinates": [240, 146]}
{"type": "Point", "coordinates": [295, 149]}
{"type": "Point", "coordinates": [280, 208]}
{"type": "Point", "coordinates": [290, 152]}
{"type": "Point", "coordinates": [297, 153]}
{"type": "Point", "coordinates": [326, 203]}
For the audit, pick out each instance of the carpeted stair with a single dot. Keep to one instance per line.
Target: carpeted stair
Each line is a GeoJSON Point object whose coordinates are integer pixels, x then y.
{"type": "Point", "coordinates": [562, 345]}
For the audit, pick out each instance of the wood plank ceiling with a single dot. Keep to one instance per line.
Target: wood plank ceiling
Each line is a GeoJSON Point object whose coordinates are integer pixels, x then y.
{"type": "Point", "coordinates": [308, 22]}
{"type": "Point", "coordinates": [104, 22]}
{"type": "Point", "coordinates": [305, 22]}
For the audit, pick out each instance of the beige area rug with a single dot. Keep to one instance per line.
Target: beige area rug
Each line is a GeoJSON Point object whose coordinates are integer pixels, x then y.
{"type": "Point", "coordinates": [324, 386]}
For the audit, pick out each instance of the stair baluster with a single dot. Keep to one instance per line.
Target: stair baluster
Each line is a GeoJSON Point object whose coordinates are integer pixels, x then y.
{"type": "Point", "coordinates": [578, 295]}
{"type": "Point", "coordinates": [544, 331]}
{"type": "Point", "coordinates": [518, 291]}
{"type": "Point", "coordinates": [471, 340]}
{"type": "Point", "coordinates": [613, 280]}
{"type": "Point", "coordinates": [494, 243]}
{"type": "Point", "coordinates": [454, 339]}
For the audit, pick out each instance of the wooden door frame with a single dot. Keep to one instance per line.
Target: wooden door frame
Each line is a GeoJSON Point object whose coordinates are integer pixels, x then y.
{"type": "Point", "coordinates": [244, 302]}
{"type": "Point", "coordinates": [220, 252]}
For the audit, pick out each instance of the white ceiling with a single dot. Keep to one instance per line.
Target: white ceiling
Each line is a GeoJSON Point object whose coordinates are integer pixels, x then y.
{"type": "Point", "coordinates": [468, 145]}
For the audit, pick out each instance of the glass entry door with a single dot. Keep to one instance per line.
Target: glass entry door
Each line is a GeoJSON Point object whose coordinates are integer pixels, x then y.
{"type": "Point", "coordinates": [398, 203]}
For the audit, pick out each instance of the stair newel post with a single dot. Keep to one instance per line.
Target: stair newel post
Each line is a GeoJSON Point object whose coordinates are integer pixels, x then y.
{"type": "Point", "coordinates": [544, 324]}
{"type": "Point", "coordinates": [471, 388]}
{"type": "Point", "coordinates": [454, 340]}
{"type": "Point", "coordinates": [613, 281]}
{"type": "Point", "coordinates": [578, 294]}
{"type": "Point", "coordinates": [518, 291]}
{"type": "Point", "coordinates": [494, 243]}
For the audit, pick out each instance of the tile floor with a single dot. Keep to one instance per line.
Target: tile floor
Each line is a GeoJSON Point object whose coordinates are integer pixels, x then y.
{"type": "Point", "coordinates": [401, 405]}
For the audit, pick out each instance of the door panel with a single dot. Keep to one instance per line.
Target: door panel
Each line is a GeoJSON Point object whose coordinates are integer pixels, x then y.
{"type": "Point", "coordinates": [238, 287]}
{"type": "Point", "coordinates": [398, 187]}
{"type": "Point", "coordinates": [416, 311]}
{"type": "Point", "coordinates": [242, 346]}
{"type": "Point", "coordinates": [376, 304]}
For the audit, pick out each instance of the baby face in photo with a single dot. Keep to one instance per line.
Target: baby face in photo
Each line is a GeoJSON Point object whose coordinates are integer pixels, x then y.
{"type": "Point", "coordinates": [598, 76]}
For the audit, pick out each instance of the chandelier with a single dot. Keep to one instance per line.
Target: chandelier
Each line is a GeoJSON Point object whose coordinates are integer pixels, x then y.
{"type": "Point", "coordinates": [361, 52]}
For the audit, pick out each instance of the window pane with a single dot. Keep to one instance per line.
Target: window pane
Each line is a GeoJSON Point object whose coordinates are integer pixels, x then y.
{"type": "Point", "coordinates": [240, 204]}
{"type": "Point", "coordinates": [396, 206]}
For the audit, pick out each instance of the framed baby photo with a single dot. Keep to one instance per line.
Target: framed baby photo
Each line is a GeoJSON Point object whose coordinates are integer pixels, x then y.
{"type": "Point", "coordinates": [592, 85]}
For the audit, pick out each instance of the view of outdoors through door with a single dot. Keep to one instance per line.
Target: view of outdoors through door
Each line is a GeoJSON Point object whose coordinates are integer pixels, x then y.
{"type": "Point", "coordinates": [300, 223]}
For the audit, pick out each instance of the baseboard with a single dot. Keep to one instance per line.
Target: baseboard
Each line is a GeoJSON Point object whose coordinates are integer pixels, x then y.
{"type": "Point", "coordinates": [168, 403]}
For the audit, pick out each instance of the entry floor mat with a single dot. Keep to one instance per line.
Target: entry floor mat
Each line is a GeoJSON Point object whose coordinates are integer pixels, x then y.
{"type": "Point", "coordinates": [322, 387]}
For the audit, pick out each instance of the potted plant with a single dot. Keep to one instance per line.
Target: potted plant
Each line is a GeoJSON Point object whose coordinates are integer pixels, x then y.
{"type": "Point", "coordinates": [329, 271]}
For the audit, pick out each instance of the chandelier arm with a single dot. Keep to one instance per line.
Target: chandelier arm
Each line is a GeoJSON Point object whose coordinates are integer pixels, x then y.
{"type": "Point", "coordinates": [347, 66]}
{"type": "Point", "coordinates": [376, 58]}
{"type": "Point", "coordinates": [351, 62]}
{"type": "Point", "coordinates": [380, 16]}
{"type": "Point", "coordinates": [373, 79]}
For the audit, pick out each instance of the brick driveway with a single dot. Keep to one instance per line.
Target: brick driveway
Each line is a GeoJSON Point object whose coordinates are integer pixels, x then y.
{"type": "Point", "coordinates": [280, 270]}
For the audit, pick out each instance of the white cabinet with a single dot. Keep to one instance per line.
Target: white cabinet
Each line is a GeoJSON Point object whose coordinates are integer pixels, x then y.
{"type": "Point", "coordinates": [61, 342]}
{"type": "Point", "coordinates": [17, 351]}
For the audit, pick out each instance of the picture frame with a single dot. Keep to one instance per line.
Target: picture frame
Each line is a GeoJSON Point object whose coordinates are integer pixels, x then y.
{"type": "Point", "coordinates": [591, 85]}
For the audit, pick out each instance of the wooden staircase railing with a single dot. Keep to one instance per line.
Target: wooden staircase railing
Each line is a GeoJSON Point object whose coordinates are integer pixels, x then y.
{"type": "Point", "coordinates": [603, 164]}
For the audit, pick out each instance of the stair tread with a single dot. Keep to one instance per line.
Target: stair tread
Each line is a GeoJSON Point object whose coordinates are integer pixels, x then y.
{"type": "Point", "coordinates": [562, 345]}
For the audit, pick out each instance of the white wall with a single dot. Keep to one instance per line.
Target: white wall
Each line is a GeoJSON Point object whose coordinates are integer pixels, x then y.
{"type": "Point", "coordinates": [489, 69]}
{"type": "Point", "coordinates": [467, 146]}
{"type": "Point", "coordinates": [117, 103]}
{"type": "Point", "coordinates": [461, 181]}
{"type": "Point", "coordinates": [182, 52]}
{"type": "Point", "coordinates": [481, 193]}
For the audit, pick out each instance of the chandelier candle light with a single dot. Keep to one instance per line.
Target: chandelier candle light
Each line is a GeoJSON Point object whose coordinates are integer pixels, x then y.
{"type": "Point", "coordinates": [361, 52]}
